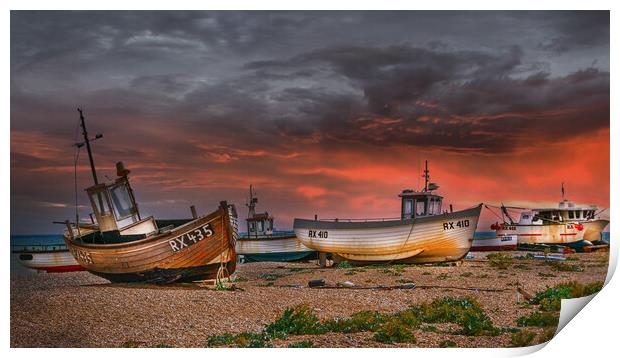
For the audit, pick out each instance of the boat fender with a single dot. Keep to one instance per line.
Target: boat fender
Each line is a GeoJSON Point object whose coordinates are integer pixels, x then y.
{"type": "Point", "coordinates": [348, 284]}
{"type": "Point", "coordinates": [316, 283]}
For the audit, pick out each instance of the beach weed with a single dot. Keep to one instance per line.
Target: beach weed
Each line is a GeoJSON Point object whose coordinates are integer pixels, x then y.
{"type": "Point", "coordinates": [344, 265]}
{"type": "Point", "coordinates": [358, 322]}
{"type": "Point", "coordinates": [539, 319]}
{"type": "Point", "coordinates": [447, 344]}
{"type": "Point", "coordinates": [522, 338]}
{"type": "Point", "coordinates": [297, 321]}
{"type": "Point", "coordinates": [465, 312]}
{"type": "Point", "coordinates": [394, 331]}
{"type": "Point", "coordinates": [500, 260]}
{"type": "Point", "coordinates": [546, 335]}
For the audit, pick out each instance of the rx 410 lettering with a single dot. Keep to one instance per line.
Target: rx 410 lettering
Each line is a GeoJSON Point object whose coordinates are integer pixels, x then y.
{"type": "Point", "coordinates": [190, 238]}
{"type": "Point", "coordinates": [322, 234]}
{"type": "Point", "coordinates": [453, 225]}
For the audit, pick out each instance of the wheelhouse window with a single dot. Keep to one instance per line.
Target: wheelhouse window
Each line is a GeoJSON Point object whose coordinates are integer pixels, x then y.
{"type": "Point", "coordinates": [252, 226]}
{"type": "Point", "coordinates": [100, 203]}
{"type": "Point", "coordinates": [408, 208]}
{"type": "Point", "coordinates": [121, 201]}
{"type": "Point", "coordinates": [420, 207]}
{"type": "Point", "coordinates": [571, 214]}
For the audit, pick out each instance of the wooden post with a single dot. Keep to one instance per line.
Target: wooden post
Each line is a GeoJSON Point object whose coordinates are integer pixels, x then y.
{"type": "Point", "coordinates": [194, 214]}
{"type": "Point", "coordinates": [322, 259]}
{"type": "Point", "coordinates": [315, 217]}
{"type": "Point", "coordinates": [450, 207]}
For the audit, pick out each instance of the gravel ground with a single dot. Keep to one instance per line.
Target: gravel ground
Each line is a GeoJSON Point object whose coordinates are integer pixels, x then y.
{"type": "Point", "coordinates": [82, 310]}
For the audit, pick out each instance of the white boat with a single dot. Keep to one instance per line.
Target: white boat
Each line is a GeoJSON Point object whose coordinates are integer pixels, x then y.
{"type": "Point", "coordinates": [49, 258]}
{"type": "Point", "coordinates": [495, 243]}
{"type": "Point", "coordinates": [423, 234]}
{"type": "Point", "coordinates": [262, 243]}
{"type": "Point", "coordinates": [567, 224]}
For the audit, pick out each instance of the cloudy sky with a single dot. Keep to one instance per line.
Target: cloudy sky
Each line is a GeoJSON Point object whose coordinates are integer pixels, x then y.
{"type": "Point", "coordinates": [323, 112]}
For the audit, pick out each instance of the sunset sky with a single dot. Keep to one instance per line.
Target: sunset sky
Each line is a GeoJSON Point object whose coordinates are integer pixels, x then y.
{"type": "Point", "coordinates": [327, 113]}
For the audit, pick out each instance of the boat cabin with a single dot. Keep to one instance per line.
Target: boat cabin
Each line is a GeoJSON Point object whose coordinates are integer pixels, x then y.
{"type": "Point", "coordinates": [420, 203]}
{"type": "Point", "coordinates": [260, 224]}
{"type": "Point", "coordinates": [115, 207]}
{"type": "Point", "coordinates": [565, 212]}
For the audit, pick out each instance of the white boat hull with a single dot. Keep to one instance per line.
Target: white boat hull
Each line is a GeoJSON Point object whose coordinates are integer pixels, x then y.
{"type": "Point", "coordinates": [55, 261]}
{"type": "Point", "coordinates": [497, 243]}
{"type": "Point", "coordinates": [438, 238]}
{"type": "Point", "coordinates": [268, 245]}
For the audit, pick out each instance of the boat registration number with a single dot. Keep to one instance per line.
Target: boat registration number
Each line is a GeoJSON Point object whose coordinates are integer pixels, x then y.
{"type": "Point", "coordinates": [322, 234]}
{"type": "Point", "coordinates": [453, 225]}
{"type": "Point", "coordinates": [190, 238]}
{"type": "Point", "coordinates": [81, 256]}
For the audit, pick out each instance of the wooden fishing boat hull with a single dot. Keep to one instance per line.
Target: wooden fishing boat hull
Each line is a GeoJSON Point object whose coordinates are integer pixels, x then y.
{"type": "Point", "coordinates": [193, 251]}
{"type": "Point", "coordinates": [49, 261]}
{"type": "Point", "coordinates": [278, 248]}
{"type": "Point", "coordinates": [439, 238]}
{"type": "Point", "coordinates": [593, 230]}
{"type": "Point", "coordinates": [552, 234]}
{"type": "Point", "coordinates": [497, 243]}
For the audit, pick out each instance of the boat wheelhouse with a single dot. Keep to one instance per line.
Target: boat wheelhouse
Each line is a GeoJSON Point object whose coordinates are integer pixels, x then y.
{"type": "Point", "coordinates": [423, 234]}
{"type": "Point", "coordinates": [262, 243]}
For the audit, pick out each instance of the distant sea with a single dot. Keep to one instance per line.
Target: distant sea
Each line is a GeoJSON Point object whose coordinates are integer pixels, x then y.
{"type": "Point", "coordinates": [19, 241]}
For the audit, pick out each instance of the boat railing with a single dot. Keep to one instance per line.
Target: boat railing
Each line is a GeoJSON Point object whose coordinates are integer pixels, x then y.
{"type": "Point", "coordinates": [38, 247]}
{"type": "Point", "coordinates": [359, 220]}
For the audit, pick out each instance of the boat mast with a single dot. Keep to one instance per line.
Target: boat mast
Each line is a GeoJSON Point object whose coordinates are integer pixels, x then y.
{"type": "Point", "coordinates": [426, 176]}
{"type": "Point", "coordinates": [87, 142]}
{"type": "Point", "coordinates": [252, 204]}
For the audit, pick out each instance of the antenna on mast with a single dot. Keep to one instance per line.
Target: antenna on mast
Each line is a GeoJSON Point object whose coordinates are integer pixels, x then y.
{"type": "Point", "coordinates": [562, 190]}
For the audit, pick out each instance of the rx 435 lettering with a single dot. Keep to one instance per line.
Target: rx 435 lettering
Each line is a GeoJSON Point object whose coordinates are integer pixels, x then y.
{"type": "Point", "coordinates": [190, 238]}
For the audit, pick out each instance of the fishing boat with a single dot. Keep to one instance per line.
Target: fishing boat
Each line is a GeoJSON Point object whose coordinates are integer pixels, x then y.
{"type": "Point", "coordinates": [489, 241]}
{"type": "Point", "coordinates": [124, 247]}
{"type": "Point", "coordinates": [423, 233]}
{"type": "Point", "coordinates": [567, 224]}
{"type": "Point", "coordinates": [262, 243]}
{"type": "Point", "coordinates": [46, 257]}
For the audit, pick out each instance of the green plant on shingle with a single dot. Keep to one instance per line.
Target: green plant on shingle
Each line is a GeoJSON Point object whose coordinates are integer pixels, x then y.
{"type": "Point", "coordinates": [241, 340]}
{"type": "Point", "coordinates": [344, 265]}
{"type": "Point", "coordinates": [546, 335]}
{"type": "Point", "coordinates": [298, 320]}
{"type": "Point", "coordinates": [447, 344]}
{"type": "Point", "coordinates": [550, 299]}
{"type": "Point", "coordinates": [500, 260]}
{"type": "Point", "coordinates": [358, 322]}
{"type": "Point", "coordinates": [465, 312]}
{"type": "Point", "coordinates": [564, 267]}
{"type": "Point", "coordinates": [539, 319]}
{"type": "Point", "coordinates": [522, 338]}
{"type": "Point", "coordinates": [394, 330]}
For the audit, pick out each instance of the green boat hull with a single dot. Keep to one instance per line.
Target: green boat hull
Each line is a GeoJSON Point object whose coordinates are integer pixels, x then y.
{"type": "Point", "coordinates": [281, 256]}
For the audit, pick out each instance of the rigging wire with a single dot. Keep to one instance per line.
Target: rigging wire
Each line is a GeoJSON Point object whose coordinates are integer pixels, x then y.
{"type": "Point", "coordinates": [75, 162]}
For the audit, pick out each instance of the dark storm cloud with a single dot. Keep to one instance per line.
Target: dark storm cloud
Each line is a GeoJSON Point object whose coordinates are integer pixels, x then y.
{"type": "Point", "coordinates": [215, 99]}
